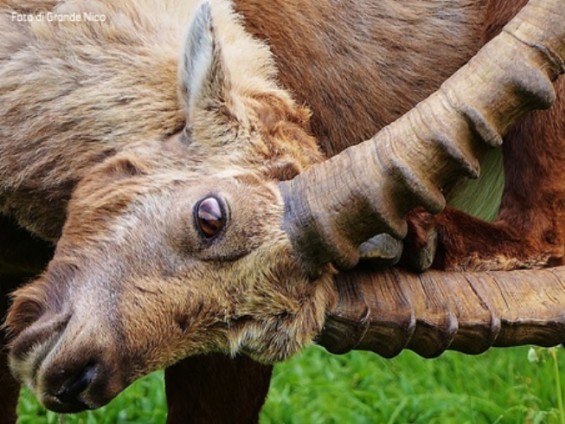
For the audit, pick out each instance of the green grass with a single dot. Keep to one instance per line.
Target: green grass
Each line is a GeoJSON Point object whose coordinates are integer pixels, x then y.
{"type": "Point", "coordinates": [501, 386]}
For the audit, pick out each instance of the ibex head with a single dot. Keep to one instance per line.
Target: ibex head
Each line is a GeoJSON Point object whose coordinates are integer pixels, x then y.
{"type": "Point", "coordinates": [171, 247]}
{"type": "Point", "coordinates": [197, 243]}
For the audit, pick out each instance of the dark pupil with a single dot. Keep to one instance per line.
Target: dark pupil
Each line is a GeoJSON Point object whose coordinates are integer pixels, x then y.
{"type": "Point", "coordinates": [210, 217]}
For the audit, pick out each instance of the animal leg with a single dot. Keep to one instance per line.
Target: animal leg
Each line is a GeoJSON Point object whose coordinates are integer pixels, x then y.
{"type": "Point", "coordinates": [9, 387]}
{"type": "Point", "coordinates": [215, 389]}
{"type": "Point", "coordinates": [21, 257]}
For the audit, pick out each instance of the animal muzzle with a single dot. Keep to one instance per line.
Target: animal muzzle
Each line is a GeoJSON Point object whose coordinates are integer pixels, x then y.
{"type": "Point", "coordinates": [68, 365]}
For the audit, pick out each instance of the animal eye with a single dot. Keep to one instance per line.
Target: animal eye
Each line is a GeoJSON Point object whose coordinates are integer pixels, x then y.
{"type": "Point", "coordinates": [209, 217]}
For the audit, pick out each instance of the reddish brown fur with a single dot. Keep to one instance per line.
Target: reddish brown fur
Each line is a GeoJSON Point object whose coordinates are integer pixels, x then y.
{"type": "Point", "coordinates": [198, 392]}
{"type": "Point", "coordinates": [351, 98]}
{"type": "Point", "coordinates": [530, 229]}
{"type": "Point", "coordinates": [367, 68]}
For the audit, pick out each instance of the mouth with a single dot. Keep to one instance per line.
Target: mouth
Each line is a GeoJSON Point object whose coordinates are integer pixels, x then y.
{"type": "Point", "coordinates": [53, 403]}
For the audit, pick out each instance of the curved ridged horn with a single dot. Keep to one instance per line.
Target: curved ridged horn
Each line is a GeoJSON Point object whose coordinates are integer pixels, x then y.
{"type": "Point", "coordinates": [428, 313]}
{"type": "Point", "coordinates": [332, 207]}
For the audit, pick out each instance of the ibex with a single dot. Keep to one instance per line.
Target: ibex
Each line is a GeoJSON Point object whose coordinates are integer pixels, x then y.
{"type": "Point", "coordinates": [165, 164]}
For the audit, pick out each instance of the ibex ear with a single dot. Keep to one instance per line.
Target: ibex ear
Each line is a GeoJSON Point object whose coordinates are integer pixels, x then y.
{"type": "Point", "coordinates": [204, 78]}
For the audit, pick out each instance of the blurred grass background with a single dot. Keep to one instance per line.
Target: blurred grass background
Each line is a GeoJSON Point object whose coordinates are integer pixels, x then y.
{"type": "Point", "coordinates": [519, 385]}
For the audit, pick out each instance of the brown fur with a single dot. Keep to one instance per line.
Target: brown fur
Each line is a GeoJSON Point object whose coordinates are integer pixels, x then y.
{"type": "Point", "coordinates": [108, 128]}
{"type": "Point", "coordinates": [360, 65]}
{"type": "Point", "coordinates": [530, 229]}
{"type": "Point", "coordinates": [198, 393]}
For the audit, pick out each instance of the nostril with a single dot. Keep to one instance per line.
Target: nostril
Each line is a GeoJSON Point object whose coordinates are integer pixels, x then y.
{"type": "Point", "coordinates": [23, 313]}
{"type": "Point", "coordinates": [77, 384]}
{"type": "Point", "coordinates": [37, 340]}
